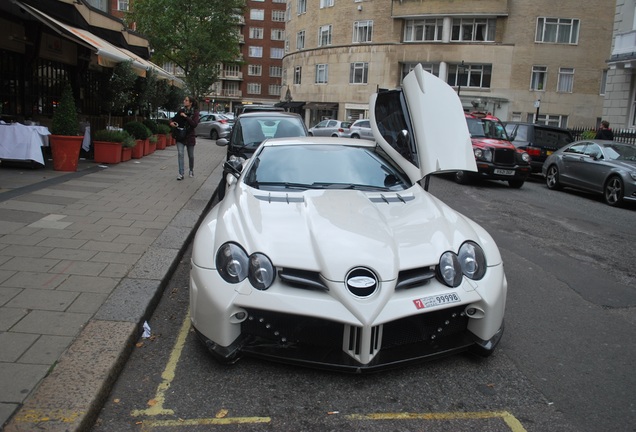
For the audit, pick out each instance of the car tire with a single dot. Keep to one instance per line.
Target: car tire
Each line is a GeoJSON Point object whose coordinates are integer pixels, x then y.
{"type": "Point", "coordinates": [356, 136]}
{"type": "Point", "coordinates": [552, 178]}
{"type": "Point", "coordinates": [515, 184]}
{"type": "Point", "coordinates": [462, 177]}
{"type": "Point", "coordinates": [214, 134]}
{"type": "Point", "coordinates": [310, 134]}
{"type": "Point", "coordinates": [335, 136]}
{"type": "Point", "coordinates": [613, 191]}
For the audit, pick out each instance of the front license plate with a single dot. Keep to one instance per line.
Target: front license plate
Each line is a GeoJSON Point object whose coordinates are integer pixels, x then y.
{"type": "Point", "coordinates": [504, 172]}
{"type": "Point", "coordinates": [438, 300]}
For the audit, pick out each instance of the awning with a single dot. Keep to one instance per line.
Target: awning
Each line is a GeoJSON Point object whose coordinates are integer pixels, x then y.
{"type": "Point", "coordinates": [290, 104]}
{"type": "Point", "coordinates": [325, 106]}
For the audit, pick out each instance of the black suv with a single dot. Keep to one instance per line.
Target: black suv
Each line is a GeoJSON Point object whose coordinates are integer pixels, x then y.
{"type": "Point", "coordinates": [538, 140]}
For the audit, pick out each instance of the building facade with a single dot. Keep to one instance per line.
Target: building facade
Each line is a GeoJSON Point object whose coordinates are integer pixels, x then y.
{"type": "Point", "coordinates": [519, 60]}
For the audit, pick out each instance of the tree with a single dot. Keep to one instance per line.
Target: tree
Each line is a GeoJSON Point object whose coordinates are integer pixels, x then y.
{"type": "Point", "coordinates": [121, 88]}
{"type": "Point", "coordinates": [197, 35]}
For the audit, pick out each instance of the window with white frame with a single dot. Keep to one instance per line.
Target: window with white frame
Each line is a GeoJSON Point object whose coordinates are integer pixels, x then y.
{"type": "Point", "coordinates": [256, 51]}
{"type": "Point", "coordinates": [253, 88]}
{"type": "Point", "coordinates": [565, 84]}
{"type": "Point", "coordinates": [122, 5]}
{"type": "Point", "coordinates": [300, 40]}
{"type": "Point", "coordinates": [274, 89]}
{"type": "Point", "coordinates": [539, 78]}
{"type": "Point", "coordinates": [286, 44]}
{"type": "Point", "coordinates": [278, 16]}
{"type": "Point", "coordinates": [432, 68]}
{"type": "Point", "coordinates": [362, 31]}
{"type": "Point", "coordinates": [557, 30]}
{"type": "Point", "coordinates": [260, 1]}
{"type": "Point", "coordinates": [278, 34]}
{"type": "Point", "coordinates": [298, 74]}
{"type": "Point", "coordinates": [470, 75]}
{"type": "Point", "coordinates": [473, 30]}
{"type": "Point", "coordinates": [423, 30]}
{"type": "Point", "coordinates": [256, 33]}
{"type": "Point", "coordinates": [276, 53]}
{"type": "Point", "coordinates": [275, 71]}
{"type": "Point", "coordinates": [279, 1]}
{"type": "Point", "coordinates": [603, 82]}
{"type": "Point", "coordinates": [301, 7]}
{"type": "Point", "coordinates": [255, 70]}
{"type": "Point", "coordinates": [326, 3]}
{"type": "Point", "coordinates": [322, 73]}
{"type": "Point", "coordinates": [324, 35]}
{"type": "Point", "coordinates": [231, 71]}
{"type": "Point", "coordinates": [257, 14]}
{"type": "Point", "coordinates": [549, 119]}
{"type": "Point", "coordinates": [358, 73]}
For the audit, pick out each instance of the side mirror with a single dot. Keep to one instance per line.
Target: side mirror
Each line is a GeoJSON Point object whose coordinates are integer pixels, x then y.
{"type": "Point", "coordinates": [222, 142]}
{"type": "Point", "coordinates": [596, 156]}
{"type": "Point", "coordinates": [233, 167]}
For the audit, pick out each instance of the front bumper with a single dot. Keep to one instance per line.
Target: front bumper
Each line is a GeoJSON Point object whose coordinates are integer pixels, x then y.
{"type": "Point", "coordinates": [503, 172]}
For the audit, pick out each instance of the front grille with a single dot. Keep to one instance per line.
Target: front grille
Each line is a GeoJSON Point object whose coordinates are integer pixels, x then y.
{"type": "Point", "coordinates": [504, 156]}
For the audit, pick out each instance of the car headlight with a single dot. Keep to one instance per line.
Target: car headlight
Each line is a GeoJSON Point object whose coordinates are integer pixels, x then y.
{"type": "Point", "coordinates": [469, 262]}
{"type": "Point", "coordinates": [526, 157]}
{"type": "Point", "coordinates": [472, 260]}
{"type": "Point", "coordinates": [483, 154]}
{"type": "Point", "coordinates": [234, 265]}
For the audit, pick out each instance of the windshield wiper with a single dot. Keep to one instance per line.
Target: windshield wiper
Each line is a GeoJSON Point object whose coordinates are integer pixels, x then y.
{"type": "Point", "coordinates": [286, 185]}
{"type": "Point", "coordinates": [354, 186]}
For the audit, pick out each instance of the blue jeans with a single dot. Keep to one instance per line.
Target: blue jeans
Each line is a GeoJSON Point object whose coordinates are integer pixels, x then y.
{"type": "Point", "coordinates": [180, 148]}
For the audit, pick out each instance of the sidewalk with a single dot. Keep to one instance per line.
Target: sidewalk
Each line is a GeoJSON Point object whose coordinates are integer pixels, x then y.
{"type": "Point", "coordinates": [84, 258]}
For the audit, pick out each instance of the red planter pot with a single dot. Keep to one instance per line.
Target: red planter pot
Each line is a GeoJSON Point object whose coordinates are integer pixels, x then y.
{"type": "Point", "coordinates": [161, 142]}
{"type": "Point", "coordinates": [65, 151]}
{"type": "Point", "coordinates": [138, 149]}
{"type": "Point", "coordinates": [152, 147]}
{"type": "Point", "coordinates": [107, 152]}
{"type": "Point", "coordinates": [126, 154]}
{"type": "Point", "coordinates": [146, 146]}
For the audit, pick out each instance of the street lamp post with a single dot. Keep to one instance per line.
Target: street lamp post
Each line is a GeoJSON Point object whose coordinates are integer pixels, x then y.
{"type": "Point", "coordinates": [460, 71]}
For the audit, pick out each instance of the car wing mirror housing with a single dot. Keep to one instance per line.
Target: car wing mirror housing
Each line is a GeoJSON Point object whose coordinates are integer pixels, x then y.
{"type": "Point", "coordinates": [233, 167]}
{"type": "Point", "coordinates": [222, 142]}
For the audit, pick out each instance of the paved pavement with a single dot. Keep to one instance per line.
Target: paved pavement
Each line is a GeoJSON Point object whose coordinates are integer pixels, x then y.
{"type": "Point", "coordinates": [84, 258]}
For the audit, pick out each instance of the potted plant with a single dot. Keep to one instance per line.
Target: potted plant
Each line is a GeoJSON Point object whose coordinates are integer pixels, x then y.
{"type": "Point", "coordinates": [107, 145]}
{"type": "Point", "coordinates": [152, 142]}
{"type": "Point", "coordinates": [163, 133]}
{"type": "Point", "coordinates": [127, 147]}
{"type": "Point", "coordinates": [65, 139]}
{"type": "Point", "coordinates": [140, 133]}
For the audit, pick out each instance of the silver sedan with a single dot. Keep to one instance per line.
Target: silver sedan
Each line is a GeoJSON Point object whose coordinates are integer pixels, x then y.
{"type": "Point", "coordinates": [214, 126]}
{"type": "Point", "coordinates": [597, 166]}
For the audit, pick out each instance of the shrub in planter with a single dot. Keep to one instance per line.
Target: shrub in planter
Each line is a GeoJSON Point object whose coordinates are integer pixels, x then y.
{"type": "Point", "coordinates": [108, 144]}
{"type": "Point", "coordinates": [65, 138]}
{"type": "Point", "coordinates": [163, 132]}
{"type": "Point", "coordinates": [137, 130]}
{"type": "Point", "coordinates": [127, 147]}
{"type": "Point", "coordinates": [152, 125]}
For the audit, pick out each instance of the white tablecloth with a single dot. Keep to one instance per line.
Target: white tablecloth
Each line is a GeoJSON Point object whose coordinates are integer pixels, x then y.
{"type": "Point", "coordinates": [20, 142]}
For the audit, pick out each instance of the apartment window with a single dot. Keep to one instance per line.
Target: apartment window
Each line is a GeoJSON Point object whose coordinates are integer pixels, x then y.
{"type": "Point", "coordinates": [276, 53]}
{"type": "Point", "coordinates": [301, 7]}
{"type": "Point", "coordinates": [362, 31]}
{"type": "Point", "coordinates": [253, 88]}
{"type": "Point", "coordinates": [279, 1]}
{"type": "Point", "coordinates": [275, 71]}
{"type": "Point", "coordinates": [322, 73]}
{"type": "Point", "coordinates": [324, 35]}
{"type": "Point", "coordinates": [473, 30]}
{"type": "Point", "coordinates": [256, 33]}
{"type": "Point", "coordinates": [274, 90]}
{"type": "Point", "coordinates": [326, 3]}
{"type": "Point", "coordinates": [557, 30]}
{"type": "Point", "coordinates": [423, 30]}
{"type": "Point", "coordinates": [297, 74]}
{"type": "Point", "coordinates": [359, 73]}
{"type": "Point", "coordinates": [300, 40]}
{"type": "Point", "coordinates": [603, 82]}
{"type": "Point", "coordinates": [255, 70]}
{"type": "Point", "coordinates": [566, 80]}
{"type": "Point", "coordinates": [278, 16]}
{"type": "Point", "coordinates": [286, 44]}
{"type": "Point", "coordinates": [257, 14]}
{"type": "Point", "coordinates": [539, 78]}
{"type": "Point", "coordinates": [550, 120]}
{"type": "Point", "coordinates": [470, 75]}
{"type": "Point", "coordinates": [432, 68]}
{"type": "Point", "coordinates": [122, 5]}
{"type": "Point", "coordinates": [256, 51]}
{"type": "Point", "coordinates": [233, 71]}
{"type": "Point", "coordinates": [278, 34]}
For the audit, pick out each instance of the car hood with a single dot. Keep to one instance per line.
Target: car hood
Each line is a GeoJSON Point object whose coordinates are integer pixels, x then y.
{"type": "Point", "coordinates": [333, 231]}
{"type": "Point", "coordinates": [438, 123]}
{"type": "Point", "coordinates": [492, 142]}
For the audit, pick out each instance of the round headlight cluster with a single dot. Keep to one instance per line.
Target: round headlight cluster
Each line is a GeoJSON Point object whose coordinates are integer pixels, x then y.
{"type": "Point", "coordinates": [526, 157]}
{"type": "Point", "coordinates": [469, 262]}
{"type": "Point", "coordinates": [234, 265]}
{"type": "Point", "coordinates": [483, 154]}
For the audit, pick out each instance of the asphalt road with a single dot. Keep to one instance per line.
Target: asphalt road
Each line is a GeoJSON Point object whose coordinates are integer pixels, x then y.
{"type": "Point", "coordinates": [565, 362]}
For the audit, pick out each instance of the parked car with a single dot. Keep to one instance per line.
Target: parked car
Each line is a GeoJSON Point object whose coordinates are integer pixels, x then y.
{"type": "Point", "coordinates": [242, 109]}
{"type": "Point", "coordinates": [329, 252]}
{"type": "Point", "coordinates": [540, 141]}
{"type": "Point", "coordinates": [597, 166]}
{"type": "Point", "coordinates": [497, 158]}
{"type": "Point", "coordinates": [361, 129]}
{"type": "Point", "coordinates": [251, 129]}
{"type": "Point", "coordinates": [333, 128]}
{"type": "Point", "coordinates": [214, 126]}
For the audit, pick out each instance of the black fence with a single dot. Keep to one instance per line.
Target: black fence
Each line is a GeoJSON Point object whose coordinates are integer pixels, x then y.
{"type": "Point", "coordinates": [627, 136]}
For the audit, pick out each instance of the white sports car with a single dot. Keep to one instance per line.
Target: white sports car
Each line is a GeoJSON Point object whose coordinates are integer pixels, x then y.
{"type": "Point", "coordinates": [328, 252]}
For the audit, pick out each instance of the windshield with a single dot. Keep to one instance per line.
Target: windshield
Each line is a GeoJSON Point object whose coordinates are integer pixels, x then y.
{"type": "Point", "coordinates": [253, 131]}
{"type": "Point", "coordinates": [324, 167]}
{"type": "Point", "coordinates": [486, 128]}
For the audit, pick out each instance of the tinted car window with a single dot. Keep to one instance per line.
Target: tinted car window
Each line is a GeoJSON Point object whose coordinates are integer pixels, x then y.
{"type": "Point", "coordinates": [389, 115]}
{"type": "Point", "coordinates": [550, 137]}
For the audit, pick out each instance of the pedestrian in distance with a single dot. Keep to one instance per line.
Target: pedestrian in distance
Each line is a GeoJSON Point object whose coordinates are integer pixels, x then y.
{"type": "Point", "coordinates": [605, 133]}
{"type": "Point", "coordinates": [184, 123]}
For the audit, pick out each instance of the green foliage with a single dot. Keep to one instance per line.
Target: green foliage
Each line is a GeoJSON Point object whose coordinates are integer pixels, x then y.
{"type": "Point", "coordinates": [65, 120]}
{"type": "Point", "coordinates": [151, 124]}
{"type": "Point", "coordinates": [137, 130]}
{"type": "Point", "coordinates": [129, 142]}
{"type": "Point", "coordinates": [121, 88]}
{"type": "Point", "coordinates": [196, 35]}
{"type": "Point", "coordinates": [111, 135]}
{"type": "Point", "coordinates": [588, 134]}
{"type": "Point", "coordinates": [153, 139]}
{"type": "Point", "coordinates": [163, 129]}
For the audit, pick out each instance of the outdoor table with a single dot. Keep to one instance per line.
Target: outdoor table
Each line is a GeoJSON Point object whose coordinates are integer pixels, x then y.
{"type": "Point", "coordinates": [21, 142]}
